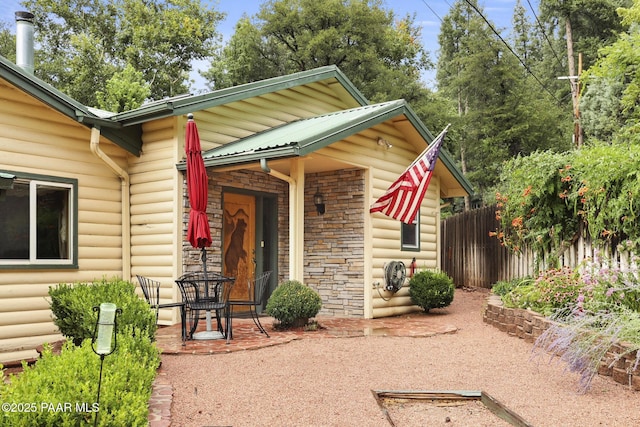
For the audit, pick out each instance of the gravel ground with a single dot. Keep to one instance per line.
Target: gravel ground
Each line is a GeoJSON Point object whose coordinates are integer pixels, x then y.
{"type": "Point", "coordinates": [330, 382]}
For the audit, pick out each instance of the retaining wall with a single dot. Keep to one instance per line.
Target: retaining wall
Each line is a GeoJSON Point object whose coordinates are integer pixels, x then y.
{"type": "Point", "coordinates": [529, 325]}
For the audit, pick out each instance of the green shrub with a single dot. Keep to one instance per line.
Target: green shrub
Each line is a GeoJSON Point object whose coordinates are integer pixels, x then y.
{"type": "Point", "coordinates": [72, 306]}
{"type": "Point", "coordinates": [526, 296]}
{"type": "Point", "coordinates": [431, 289]}
{"type": "Point", "coordinates": [61, 390]}
{"type": "Point", "coordinates": [293, 304]}
{"type": "Point", "coordinates": [503, 287]}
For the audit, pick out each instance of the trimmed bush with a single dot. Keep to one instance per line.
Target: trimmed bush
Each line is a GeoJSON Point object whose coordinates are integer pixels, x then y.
{"type": "Point", "coordinates": [293, 304]}
{"type": "Point", "coordinates": [72, 306]}
{"type": "Point", "coordinates": [431, 289]}
{"type": "Point", "coordinates": [61, 390]}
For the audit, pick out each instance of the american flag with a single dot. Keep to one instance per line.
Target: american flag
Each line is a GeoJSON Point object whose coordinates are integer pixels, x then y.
{"type": "Point", "coordinates": [403, 199]}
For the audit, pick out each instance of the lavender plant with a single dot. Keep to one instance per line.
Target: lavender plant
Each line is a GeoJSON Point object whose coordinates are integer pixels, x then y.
{"type": "Point", "coordinates": [606, 311]}
{"type": "Point", "coordinates": [582, 339]}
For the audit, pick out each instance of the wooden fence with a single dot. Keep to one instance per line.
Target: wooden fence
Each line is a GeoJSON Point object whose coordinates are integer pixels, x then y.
{"type": "Point", "coordinates": [469, 255]}
{"type": "Point", "coordinates": [473, 258]}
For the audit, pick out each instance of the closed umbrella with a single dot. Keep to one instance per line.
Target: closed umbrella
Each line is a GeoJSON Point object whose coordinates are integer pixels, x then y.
{"type": "Point", "coordinates": [198, 231]}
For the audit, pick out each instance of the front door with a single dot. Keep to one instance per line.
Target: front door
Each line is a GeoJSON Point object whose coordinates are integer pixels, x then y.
{"type": "Point", "coordinates": [239, 239]}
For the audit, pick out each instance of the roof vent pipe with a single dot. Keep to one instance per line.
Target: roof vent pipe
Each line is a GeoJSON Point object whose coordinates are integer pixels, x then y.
{"type": "Point", "coordinates": [24, 41]}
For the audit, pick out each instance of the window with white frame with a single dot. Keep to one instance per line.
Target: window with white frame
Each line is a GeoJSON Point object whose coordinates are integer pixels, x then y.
{"type": "Point", "coordinates": [38, 221]}
{"type": "Point", "coordinates": [410, 235]}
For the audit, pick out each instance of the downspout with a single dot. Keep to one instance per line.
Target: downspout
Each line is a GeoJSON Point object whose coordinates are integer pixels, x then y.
{"type": "Point", "coordinates": [293, 273]}
{"type": "Point", "coordinates": [126, 210]}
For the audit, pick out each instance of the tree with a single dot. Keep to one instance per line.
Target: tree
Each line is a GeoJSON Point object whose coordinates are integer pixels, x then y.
{"type": "Point", "coordinates": [474, 71]}
{"type": "Point", "coordinates": [502, 110]}
{"type": "Point", "coordinates": [585, 26]}
{"type": "Point", "coordinates": [525, 38]}
{"type": "Point", "coordinates": [7, 42]}
{"type": "Point", "coordinates": [125, 91]}
{"type": "Point", "coordinates": [83, 44]}
{"type": "Point", "coordinates": [381, 55]}
{"type": "Point", "coordinates": [610, 101]}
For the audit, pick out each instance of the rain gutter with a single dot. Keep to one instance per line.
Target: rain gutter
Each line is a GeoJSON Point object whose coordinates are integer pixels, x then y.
{"type": "Point", "coordinates": [126, 211]}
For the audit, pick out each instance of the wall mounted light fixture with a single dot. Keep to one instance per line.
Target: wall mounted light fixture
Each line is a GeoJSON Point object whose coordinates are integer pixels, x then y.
{"type": "Point", "coordinates": [318, 200]}
{"type": "Point", "coordinates": [384, 143]}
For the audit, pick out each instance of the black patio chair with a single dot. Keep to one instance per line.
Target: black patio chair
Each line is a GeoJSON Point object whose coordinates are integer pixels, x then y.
{"type": "Point", "coordinates": [151, 291]}
{"type": "Point", "coordinates": [256, 293]}
{"type": "Point", "coordinates": [208, 292]}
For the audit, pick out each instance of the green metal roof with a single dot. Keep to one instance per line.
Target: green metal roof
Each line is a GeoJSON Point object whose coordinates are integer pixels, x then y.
{"type": "Point", "coordinates": [129, 139]}
{"type": "Point", "coordinates": [182, 105]}
{"type": "Point", "coordinates": [305, 136]}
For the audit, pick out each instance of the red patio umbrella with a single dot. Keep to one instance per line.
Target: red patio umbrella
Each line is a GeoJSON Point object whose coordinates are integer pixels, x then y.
{"type": "Point", "coordinates": [198, 232]}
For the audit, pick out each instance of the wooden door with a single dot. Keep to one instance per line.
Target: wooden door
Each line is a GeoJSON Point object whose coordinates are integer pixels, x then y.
{"type": "Point", "coordinates": [239, 237]}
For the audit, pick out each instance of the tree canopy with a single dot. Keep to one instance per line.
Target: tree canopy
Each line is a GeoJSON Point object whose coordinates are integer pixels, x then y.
{"type": "Point", "coordinates": [610, 101]}
{"type": "Point", "coordinates": [382, 55]}
{"type": "Point", "coordinates": [84, 44]}
{"type": "Point", "coordinates": [501, 109]}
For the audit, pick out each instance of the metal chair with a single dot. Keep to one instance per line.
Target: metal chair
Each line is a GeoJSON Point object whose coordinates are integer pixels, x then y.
{"type": "Point", "coordinates": [206, 293]}
{"type": "Point", "coordinates": [151, 290]}
{"type": "Point", "coordinates": [256, 293]}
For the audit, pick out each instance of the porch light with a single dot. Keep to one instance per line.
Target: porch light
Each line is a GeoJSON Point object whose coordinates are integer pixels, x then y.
{"type": "Point", "coordinates": [318, 200]}
{"type": "Point", "coordinates": [384, 143]}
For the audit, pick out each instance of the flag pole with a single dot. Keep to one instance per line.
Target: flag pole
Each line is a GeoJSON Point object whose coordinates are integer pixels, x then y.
{"type": "Point", "coordinates": [428, 146]}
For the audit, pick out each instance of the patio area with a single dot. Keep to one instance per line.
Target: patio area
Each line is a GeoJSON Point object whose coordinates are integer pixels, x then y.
{"type": "Point", "coordinates": [246, 336]}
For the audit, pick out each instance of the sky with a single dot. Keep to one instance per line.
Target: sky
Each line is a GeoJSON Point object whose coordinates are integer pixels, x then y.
{"type": "Point", "coordinates": [428, 14]}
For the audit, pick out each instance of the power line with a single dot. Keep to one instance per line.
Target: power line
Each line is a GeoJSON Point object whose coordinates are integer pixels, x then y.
{"type": "Point", "coordinates": [544, 34]}
{"type": "Point", "coordinates": [432, 11]}
{"type": "Point", "coordinates": [511, 50]}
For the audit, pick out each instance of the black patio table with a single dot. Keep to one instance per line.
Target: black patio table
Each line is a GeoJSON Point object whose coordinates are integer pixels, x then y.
{"type": "Point", "coordinates": [207, 292]}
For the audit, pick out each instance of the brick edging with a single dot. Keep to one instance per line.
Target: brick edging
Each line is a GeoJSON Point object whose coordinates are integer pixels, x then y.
{"type": "Point", "coordinates": [160, 402]}
{"type": "Point", "coordinates": [529, 325]}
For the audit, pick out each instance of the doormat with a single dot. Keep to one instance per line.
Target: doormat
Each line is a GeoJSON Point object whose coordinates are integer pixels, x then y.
{"type": "Point", "coordinates": [455, 408]}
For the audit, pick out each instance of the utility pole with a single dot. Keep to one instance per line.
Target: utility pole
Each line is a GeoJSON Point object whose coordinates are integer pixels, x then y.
{"type": "Point", "coordinates": [577, 129]}
{"type": "Point", "coordinates": [574, 81]}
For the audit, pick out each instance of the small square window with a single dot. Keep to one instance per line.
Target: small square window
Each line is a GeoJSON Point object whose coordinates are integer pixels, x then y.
{"type": "Point", "coordinates": [410, 235]}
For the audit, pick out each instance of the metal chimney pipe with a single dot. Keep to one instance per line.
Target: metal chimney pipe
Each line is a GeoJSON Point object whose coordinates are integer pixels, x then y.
{"type": "Point", "coordinates": [24, 41]}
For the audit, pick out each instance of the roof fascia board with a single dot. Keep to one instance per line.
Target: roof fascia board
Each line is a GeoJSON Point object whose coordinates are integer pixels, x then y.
{"type": "Point", "coordinates": [375, 118]}
{"type": "Point", "coordinates": [239, 158]}
{"type": "Point", "coordinates": [237, 93]}
{"type": "Point", "coordinates": [41, 90]}
{"type": "Point", "coordinates": [69, 107]}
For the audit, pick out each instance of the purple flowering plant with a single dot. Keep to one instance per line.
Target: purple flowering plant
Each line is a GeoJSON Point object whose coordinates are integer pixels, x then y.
{"type": "Point", "coordinates": [610, 285]}
{"type": "Point", "coordinates": [605, 310]}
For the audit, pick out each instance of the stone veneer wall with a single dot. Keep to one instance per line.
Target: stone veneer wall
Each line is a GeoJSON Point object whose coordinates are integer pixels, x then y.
{"type": "Point", "coordinates": [245, 180]}
{"type": "Point", "coordinates": [334, 242]}
{"type": "Point", "coordinates": [529, 325]}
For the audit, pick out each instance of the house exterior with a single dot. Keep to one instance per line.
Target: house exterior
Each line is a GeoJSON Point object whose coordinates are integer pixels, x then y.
{"type": "Point", "coordinates": [119, 204]}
